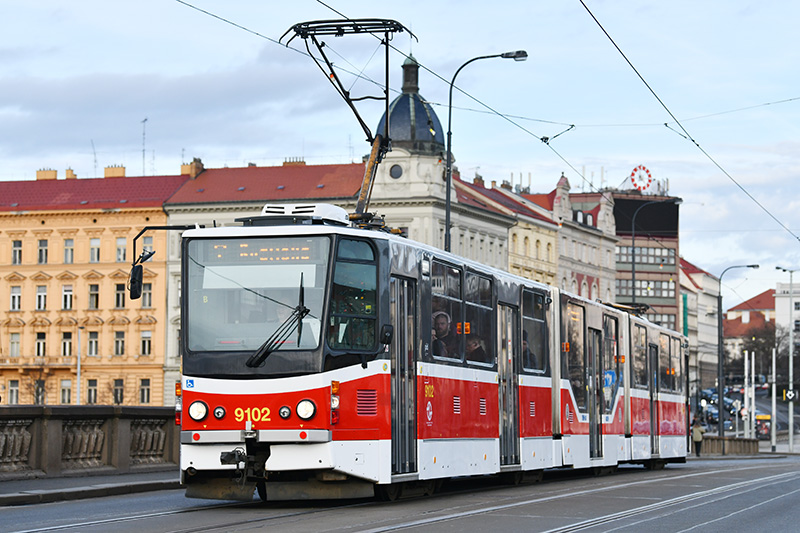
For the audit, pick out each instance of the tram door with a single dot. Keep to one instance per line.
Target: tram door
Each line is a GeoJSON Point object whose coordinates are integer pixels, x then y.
{"type": "Point", "coordinates": [507, 369]}
{"type": "Point", "coordinates": [652, 365]}
{"type": "Point", "coordinates": [404, 396]}
{"type": "Point", "coordinates": [595, 390]}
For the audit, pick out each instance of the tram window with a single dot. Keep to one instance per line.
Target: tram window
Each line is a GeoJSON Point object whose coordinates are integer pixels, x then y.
{"type": "Point", "coordinates": [446, 315]}
{"type": "Point", "coordinates": [612, 362]}
{"type": "Point", "coordinates": [677, 361]}
{"type": "Point", "coordinates": [353, 309]}
{"type": "Point", "coordinates": [479, 347]}
{"type": "Point", "coordinates": [665, 367]}
{"type": "Point", "coordinates": [534, 332]}
{"type": "Point", "coordinates": [640, 379]}
{"type": "Point", "coordinates": [574, 356]}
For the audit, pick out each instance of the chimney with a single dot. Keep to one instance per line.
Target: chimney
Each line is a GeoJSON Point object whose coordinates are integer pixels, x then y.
{"type": "Point", "coordinates": [494, 184]}
{"type": "Point", "coordinates": [478, 180]}
{"type": "Point", "coordinates": [505, 185]}
{"type": "Point", "coordinates": [193, 169]}
{"type": "Point", "coordinates": [294, 162]}
{"type": "Point", "coordinates": [46, 174]}
{"type": "Point", "coordinates": [71, 174]}
{"type": "Point", "coordinates": [115, 171]}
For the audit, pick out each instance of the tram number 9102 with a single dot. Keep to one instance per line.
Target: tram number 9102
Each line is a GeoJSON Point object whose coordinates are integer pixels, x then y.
{"type": "Point", "coordinates": [252, 414]}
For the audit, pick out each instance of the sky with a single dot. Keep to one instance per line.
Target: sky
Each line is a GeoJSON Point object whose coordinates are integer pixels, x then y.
{"type": "Point", "coordinates": [704, 94]}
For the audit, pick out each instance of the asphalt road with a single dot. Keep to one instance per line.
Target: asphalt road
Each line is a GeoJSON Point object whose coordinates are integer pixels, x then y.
{"type": "Point", "coordinates": [753, 494]}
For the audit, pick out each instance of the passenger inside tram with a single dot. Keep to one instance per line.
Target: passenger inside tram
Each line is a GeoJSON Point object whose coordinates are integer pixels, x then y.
{"type": "Point", "coordinates": [529, 358]}
{"type": "Point", "coordinates": [445, 342]}
{"type": "Point", "coordinates": [475, 351]}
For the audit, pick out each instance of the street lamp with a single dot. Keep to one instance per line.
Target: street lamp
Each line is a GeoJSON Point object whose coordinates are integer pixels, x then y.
{"type": "Point", "coordinates": [721, 358]}
{"type": "Point", "coordinates": [676, 201]}
{"type": "Point", "coordinates": [790, 395]}
{"type": "Point", "coordinates": [518, 55]}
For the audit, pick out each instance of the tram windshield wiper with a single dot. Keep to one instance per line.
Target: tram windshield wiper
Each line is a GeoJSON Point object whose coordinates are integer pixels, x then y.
{"type": "Point", "coordinates": [294, 321]}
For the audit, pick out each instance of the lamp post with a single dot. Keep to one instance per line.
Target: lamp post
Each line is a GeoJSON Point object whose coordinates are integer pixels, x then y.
{"type": "Point", "coordinates": [721, 357]}
{"type": "Point", "coordinates": [518, 55]}
{"type": "Point", "coordinates": [790, 395]}
{"type": "Point", "coordinates": [676, 201]}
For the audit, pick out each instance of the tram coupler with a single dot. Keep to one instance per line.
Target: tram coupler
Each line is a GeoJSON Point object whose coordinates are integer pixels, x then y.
{"type": "Point", "coordinates": [233, 457]}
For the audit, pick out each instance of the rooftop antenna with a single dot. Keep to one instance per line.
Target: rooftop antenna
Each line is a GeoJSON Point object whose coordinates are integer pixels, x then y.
{"type": "Point", "coordinates": [95, 157]}
{"type": "Point", "coordinates": [144, 127]}
{"type": "Point", "coordinates": [338, 28]}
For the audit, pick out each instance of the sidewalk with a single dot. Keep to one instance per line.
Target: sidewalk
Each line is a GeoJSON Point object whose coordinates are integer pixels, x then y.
{"type": "Point", "coordinates": [45, 490]}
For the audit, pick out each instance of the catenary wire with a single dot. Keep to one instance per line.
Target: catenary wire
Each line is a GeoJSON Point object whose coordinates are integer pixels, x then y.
{"type": "Point", "coordinates": [683, 129]}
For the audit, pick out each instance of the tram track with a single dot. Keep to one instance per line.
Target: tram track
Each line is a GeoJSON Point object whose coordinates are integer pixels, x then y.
{"type": "Point", "coordinates": [278, 515]}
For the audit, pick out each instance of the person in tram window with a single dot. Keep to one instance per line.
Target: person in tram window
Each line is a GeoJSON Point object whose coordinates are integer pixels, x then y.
{"type": "Point", "coordinates": [529, 359]}
{"type": "Point", "coordinates": [444, 340]}
{"type": "Point", "coordinates": [475, 351]}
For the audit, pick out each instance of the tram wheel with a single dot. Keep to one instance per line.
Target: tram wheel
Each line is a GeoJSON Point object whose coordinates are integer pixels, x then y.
{"type": "Point", "coordinates": [261, 488]}
{"type": "Point", "coordinates": [389, 493]}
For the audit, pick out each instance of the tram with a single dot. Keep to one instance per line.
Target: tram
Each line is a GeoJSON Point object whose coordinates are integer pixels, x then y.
{"type": "Point", "coordinates": [321, 360]}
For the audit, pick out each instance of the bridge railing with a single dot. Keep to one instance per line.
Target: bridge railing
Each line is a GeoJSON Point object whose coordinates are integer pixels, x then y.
{"type": "Point", "coordinates": [38, 441]}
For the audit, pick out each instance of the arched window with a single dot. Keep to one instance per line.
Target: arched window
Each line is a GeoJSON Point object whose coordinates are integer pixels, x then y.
{"type": "Point", "coordinates": [527, 245]}
{"type": "Point", "coordinates": [538, 249]}
{"type": "Point", "coordinates": [514, 244]}
{"type": "Point", "coordinates": [549, 252]}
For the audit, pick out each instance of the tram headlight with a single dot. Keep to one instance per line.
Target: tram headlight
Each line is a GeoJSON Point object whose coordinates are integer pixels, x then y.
{"type": "Point", "coordinates": [306, 409]}
{"type": "Point", "coordinates": [198, 411]}
{"type": "Point", "coordinates": [285, 412]}
{"type": "Point", "coordinates": [219, 412]}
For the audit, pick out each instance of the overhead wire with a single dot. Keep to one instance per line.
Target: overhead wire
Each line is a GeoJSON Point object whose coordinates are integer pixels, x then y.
{"type": "Point", "coordinates": [683, 129]}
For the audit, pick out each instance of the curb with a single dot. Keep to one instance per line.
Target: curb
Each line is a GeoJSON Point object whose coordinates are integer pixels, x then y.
{"type": "Point", "coordinates": [93, 491]}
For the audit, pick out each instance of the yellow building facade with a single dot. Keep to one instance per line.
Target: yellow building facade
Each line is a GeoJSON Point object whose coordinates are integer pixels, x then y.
{"type": "Point", "coordinates": [69, 334]}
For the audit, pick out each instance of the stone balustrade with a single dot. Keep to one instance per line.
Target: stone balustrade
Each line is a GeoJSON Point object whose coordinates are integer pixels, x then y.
{"type": "Point", "coordinates": [39, 441]}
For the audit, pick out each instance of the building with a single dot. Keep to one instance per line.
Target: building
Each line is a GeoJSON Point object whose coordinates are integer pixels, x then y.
{"type": "Point", "coordinates": [751, 326]}
{"type": "Point", "coordinates": [650, 222]}
{"type": "Point", "coordinates": [70, 334]}
{"type": "Point", "coordinates": [700, 323]}
{"type": "Point", "coordinates": [586, 239]}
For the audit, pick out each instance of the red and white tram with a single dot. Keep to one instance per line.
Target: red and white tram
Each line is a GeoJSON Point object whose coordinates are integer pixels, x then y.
{"type": "Point", "coordinates": [323, 361]}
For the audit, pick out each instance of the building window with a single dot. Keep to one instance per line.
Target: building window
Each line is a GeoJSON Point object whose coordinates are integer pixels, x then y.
{"type": "Point", "coordinates": [146, 343]}
{"type": "Point", "coordinates": [94, 296]}
{"type": "Point", "coordinates": [16, 298]}
{"type": "Point", "coordinates": [69, 251]}
{"type": "Point", "coordinates": [147, 295]}
{"type": "Point", "coordinates": [91, 391]}
{"type": "Point", "coordinates": [41, 297]}
{"type": "Point", "coordinates": [94, 250]}
{"type": "Point", "coordinates": [42, 251]}
{"type": "Point", "coordinates": [38, 392]}
{"type": "Point", "coordinates": [119, 296]}
{"type": "Point", "coordinates": [147, 244]}
{"type": "Point", "coordinates": [796, 306]}
{"type": "Point", "coordinates": [41, 344]}
{"type": "Point", "coordinates": [121, 247]}
{"type": "Point", "coordinates": [119, 343]}
{"type": "Point", "coordinates": [144, 391]}
{"type": "Point", "coordinates": [13, 392]}
{"type": "Point", "coordinates": [118, 391]}
{"type": "Point", "coordinates": [66, 297]}
{"type": "Point", "coordinates": [13, 345]}
{"type": "Point", "coordinates": [16, 252]}
{"type": "Point", "coordinates": [66, 391]}
{"type": "Point", "coordinates": [92, 348]}
{"type": "Point", "coordinates": [66, 344]}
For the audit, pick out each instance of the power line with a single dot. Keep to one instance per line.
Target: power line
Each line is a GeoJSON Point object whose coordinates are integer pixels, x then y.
{"type": "Point", "coordinates": [687, 135]}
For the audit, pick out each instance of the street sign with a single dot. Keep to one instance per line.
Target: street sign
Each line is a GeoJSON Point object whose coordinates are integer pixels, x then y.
{"type": "Point", "coordinates": [789, 395]}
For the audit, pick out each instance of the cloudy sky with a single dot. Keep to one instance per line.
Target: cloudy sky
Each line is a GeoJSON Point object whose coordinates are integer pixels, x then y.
{"type": "Point", "coordinates": [77, 80]}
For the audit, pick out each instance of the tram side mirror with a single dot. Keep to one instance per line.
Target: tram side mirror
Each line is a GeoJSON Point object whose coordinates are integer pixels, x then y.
{"type": "Point", "coordinates": [135, 282]}
{"type": "Point", "coordinates": [387, 333]}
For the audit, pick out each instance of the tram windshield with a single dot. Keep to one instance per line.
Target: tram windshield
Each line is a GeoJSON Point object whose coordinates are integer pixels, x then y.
{"type": "Point", "coordinates": [240, 291]}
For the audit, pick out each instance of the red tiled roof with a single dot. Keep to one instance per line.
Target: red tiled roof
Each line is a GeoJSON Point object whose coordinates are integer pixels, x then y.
{"type": "Point", "coordinates": [258, 184]}
{"type": "Point", "coordinates": [735, 327]}
{"type": "Point", "coordinates": [94, 193]}
{"type": "Point", "coordinates": [689, 268]}
{"type": "Point", "coordinates": [508, 202]}
{"type": "Point", "coordinates": [544, 200]}
{"type": "Point", "coordinates": [764, 301]}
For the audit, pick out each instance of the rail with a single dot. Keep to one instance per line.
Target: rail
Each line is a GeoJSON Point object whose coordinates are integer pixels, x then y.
{"type": "Point", "coordinates": [44, 441]}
